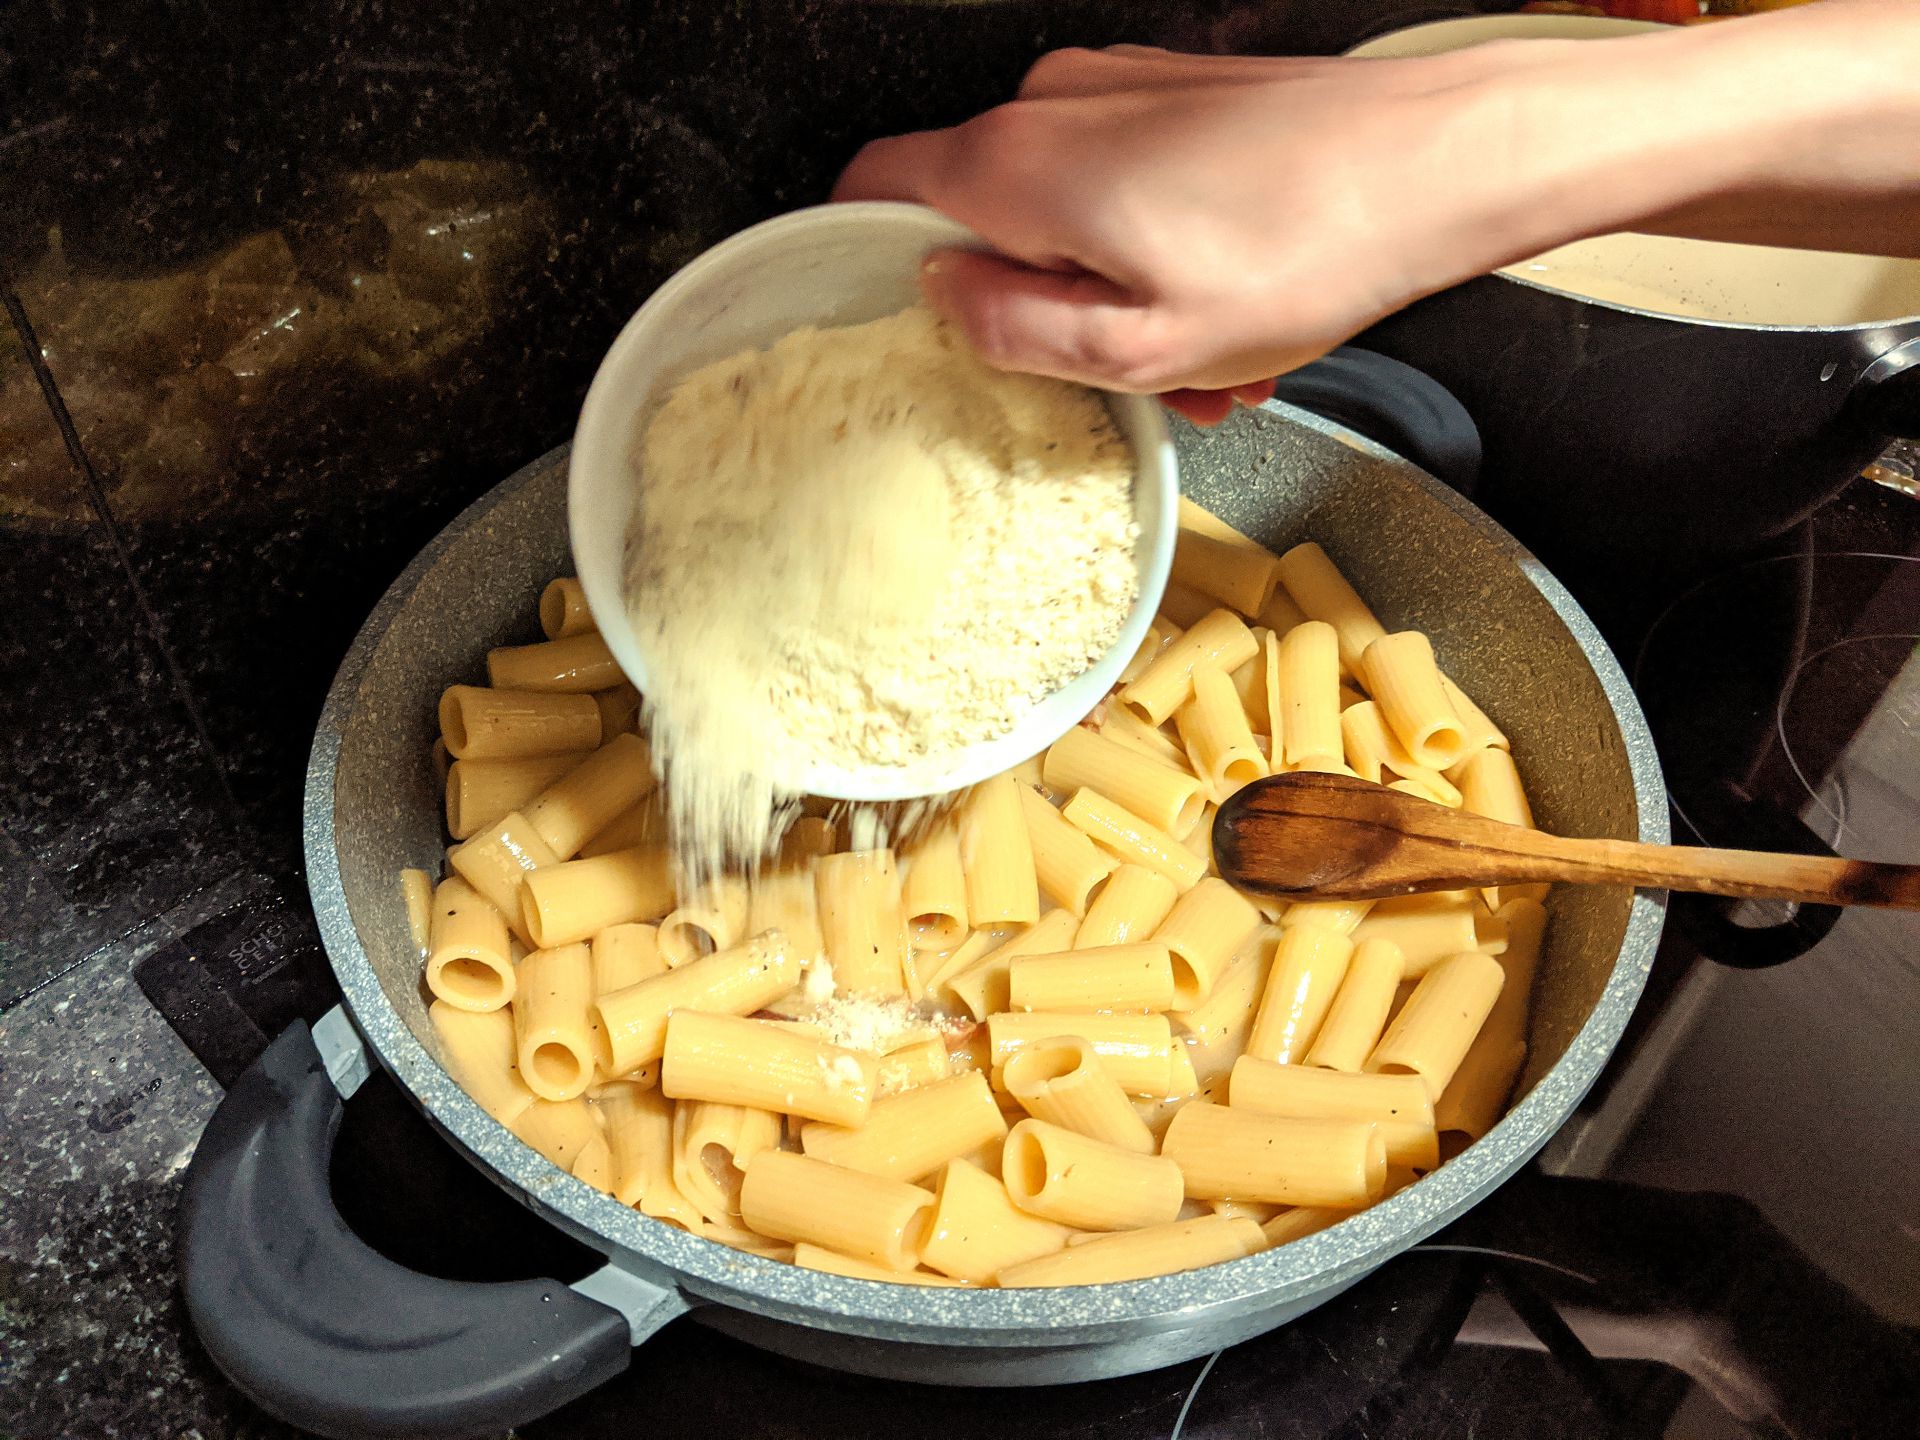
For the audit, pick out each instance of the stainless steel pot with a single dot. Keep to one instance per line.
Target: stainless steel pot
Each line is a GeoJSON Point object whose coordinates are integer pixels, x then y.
{"type": "Point", "coordinates": [324, 1332]}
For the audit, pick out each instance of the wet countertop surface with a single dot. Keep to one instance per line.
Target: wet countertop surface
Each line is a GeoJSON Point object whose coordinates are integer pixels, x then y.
{"type": "Point", "coordinates": [301, 286]}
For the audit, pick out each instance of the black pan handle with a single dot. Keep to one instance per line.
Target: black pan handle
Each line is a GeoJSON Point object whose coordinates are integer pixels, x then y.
{"type": "Point", "coordinates": [1888, 392]}
{"type": "Point", "coordinates": [1393, 404]}
{"type": "Point", "coordinates": [324, 1332]}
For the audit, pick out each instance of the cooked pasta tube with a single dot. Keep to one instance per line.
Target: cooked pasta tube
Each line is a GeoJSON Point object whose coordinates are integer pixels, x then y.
{"type": "Point", "coordinates": [832, 1262]}
{"type": "Point", "coordinates": [476, 1046]}
{"type": "Point", "coordinates": [787, 901]}
{"type": "Point", "coordinates": [937, 975]}
{"type": "Point", "coordinates": [750, 1062]}
{"type": "Point", "coordinates": [1375, 753]}
{"type": "Point", "coordinates": [912, 1134]}
{"type": "Point", "coordinates": [1476, 1095]}
{"type": "Point", "coordinates": [1135, 1050]}
{"type": "Point", "coordinates": [1205, 929]}
{"type": "Point", "coordinates": [1400, 673]}
{"type": "Point", "coordinates": [1220, 1024]}
{"type": "Point", "coordinates": [714, 917]}
{"type": "Point", "coordinates": [936, 890]}
{"type": "Point", "coordinates": [1398, 1105]}
{"type": "Point", "coordinates": [1138, 1254]}
{"type": "Point", "coordinates": [619, 711]}
{"type": "Point", "coordinates": [1062, 1081]}
{"type": "Point", "coordinates": [484, 792]}
{"type": "Point", "coordinates": [983, 986]}
{"type": "Point", "coordinates": [573, 665]}
{"type": "Point", "coordinates": [1183, 607]}
{"type": "Point", "coordinates": [1308, 965]}
{"type": "Point", "coordinates": [1358, 1016]}
{"type": "Point", "coordinates": [1340, 916]}
{"type": "Point", "coordinates": [558, 1129]}
{"type": "Point", "coordinates": [1239, 576]}
{"type": "Point", "coordinates": [977, 1231]}
{"type": "Point", "coordinates": [497, 862]}
{"type": "Point", "coordinates": [1220, 640]}
{"type": "Point", "coordinates": [640, 1137]}
{"type": "Point", "coordinates": [1428, 928]}
{"type": "Point", "coordinates": [712, 1147]}
{"type": "Point", "coordinates": [925, 1063]}
{"type": "Point", "coordinates": [1234, 1154]}
{"type": "Point", "coordinates": [625, 955]}
{"type": "Point", "coordinates": [997, 856]}
{"type": "Point", "coordinates": [578, 898]}
{"type": "Point", "coordinates": [644, 824]}
{"type": "Point", "coordinates": [552, 1040]}
{"type": "Point", "coordinates": [1073, 1179]}
{"type": "Point", "coordinates": [1526, 922]}
{"type": "Point", "coordinates": [586, 800]}
{"type": "Point", "coordinates": [1160, 633]}
{"type": "Point", "coordinates": [1166, 798]}
{"type": "Point", "coordinates": [1129, 907]}
{"type": "Point", "coordinates": [482, 724]}
{"type": "Point", "coordinates": [1183, 1081]}
{"type": "Point", "coordinates": [1132, 839]}
{"type": "Point", "coordinates": [594, 1164]}
{"type": "Point", "coordinates": [797, 1198]}
{"type": "Point", "coordinates": [1250, 685]}
{"type": "Point", "coordinates": [1281, 614]}
{"type": "Point", "coordinates": [1431, 1034]}
{"type": "Point", "coordinates": [1490, 786]}
{"type": "Point", "coordinates": [469, 962]}
{"type": "Point", "coordinates": [1218, 738]}
{"type": "Point", "coordinates": [1070, 868]}
{"type": "Point", "coordinates": [863, 924]}
{"type": "Point", "coordinates": [1480, 731]}
{"type": "Point", "coordinates": [1108, 978]}
{"type": "Point", "coordinates": [563, 609]}
{"type": "Point", "coordinates": [1123, 727]}
{"type": "Point", "coordinates": [808, 838]}
{"type": "Point", "coordinates": [1252, 1210]}
{"type": "Point", "coordinates": [416, 893]}
{"type": "Point", "coordinates": [741, 1238]}
{"type": "Point", "coordinates": [633, 1021]}
{"type": "Point", "coordinates": [1307, 667]}
{"type": "Point", "coordinates": [1299, 1221]}
{"type": "Point", "coordinates": [1323, 594]}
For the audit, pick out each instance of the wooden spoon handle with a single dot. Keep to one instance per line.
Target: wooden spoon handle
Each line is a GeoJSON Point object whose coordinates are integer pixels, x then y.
{"type": "Point", "coordinates": [1749, 874]}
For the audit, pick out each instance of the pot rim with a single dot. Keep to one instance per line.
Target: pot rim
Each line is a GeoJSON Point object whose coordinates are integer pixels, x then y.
{"type": "Point", "coordinates": [1049, 1317]}
{"type": "Point", "coordinates": [1858, 327]}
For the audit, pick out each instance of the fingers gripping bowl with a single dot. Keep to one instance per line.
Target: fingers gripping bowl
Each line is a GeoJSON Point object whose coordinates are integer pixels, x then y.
{"type": "Point", "coordinates": [829, 266]}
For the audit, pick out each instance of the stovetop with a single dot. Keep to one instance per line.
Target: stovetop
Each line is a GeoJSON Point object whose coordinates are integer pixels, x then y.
{"type": "Point", "coordinates": [276, 355]}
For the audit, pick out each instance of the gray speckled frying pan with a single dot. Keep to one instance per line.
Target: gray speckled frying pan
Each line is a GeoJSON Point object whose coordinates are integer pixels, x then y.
{"type": "Point", "coordinates": [324, 1332]}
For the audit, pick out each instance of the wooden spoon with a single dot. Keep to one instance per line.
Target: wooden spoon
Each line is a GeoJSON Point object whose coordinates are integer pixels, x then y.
{"type": "Point", "coordinates": [1308, 836]}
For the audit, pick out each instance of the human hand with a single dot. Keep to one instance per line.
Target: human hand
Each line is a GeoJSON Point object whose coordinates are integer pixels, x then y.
{"type": "Point", "coordinates": [1198, 224]}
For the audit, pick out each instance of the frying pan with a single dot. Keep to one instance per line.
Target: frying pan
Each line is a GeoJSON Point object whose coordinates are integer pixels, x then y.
{"type": "Point", "coordinates": [324, 1332]}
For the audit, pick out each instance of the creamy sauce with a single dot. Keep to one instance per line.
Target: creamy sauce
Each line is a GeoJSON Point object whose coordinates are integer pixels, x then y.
{"type": "Point", "coordinates": [1739, 284]}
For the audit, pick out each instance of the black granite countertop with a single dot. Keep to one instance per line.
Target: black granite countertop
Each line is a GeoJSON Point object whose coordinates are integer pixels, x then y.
{"type": "Point", "coordinates": [302, 282]}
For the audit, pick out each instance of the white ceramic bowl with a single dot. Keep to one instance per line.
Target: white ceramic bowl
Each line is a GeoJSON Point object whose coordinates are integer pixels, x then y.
{"type": "Point", "coordinates": [830, 265]}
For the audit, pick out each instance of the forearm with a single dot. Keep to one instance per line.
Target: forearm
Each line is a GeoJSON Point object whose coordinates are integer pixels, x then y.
{"type": "Point", "coordinates": [1801, 128]}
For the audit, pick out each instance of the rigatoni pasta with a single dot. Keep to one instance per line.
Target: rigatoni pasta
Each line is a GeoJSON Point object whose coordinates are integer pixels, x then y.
{"type": "Point", "coordinates": [479, 723]}
{"type": "Point", "coordinates": [997, 856]}
{"type": "Point", "coordinates": [778, 1062]}
{"type": "Point", "coordinates": [469, 962]}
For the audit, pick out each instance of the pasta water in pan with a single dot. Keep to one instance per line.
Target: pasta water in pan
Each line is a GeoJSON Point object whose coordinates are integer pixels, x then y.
{"type": "Point", "coordinates": [1044, 1045]}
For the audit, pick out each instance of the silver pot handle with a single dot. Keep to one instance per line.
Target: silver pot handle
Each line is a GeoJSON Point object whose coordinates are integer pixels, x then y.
{"type": "Point", "coordinates": [1888, 392]}
{"type": "Point", "coordinates": [323, 1331]}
